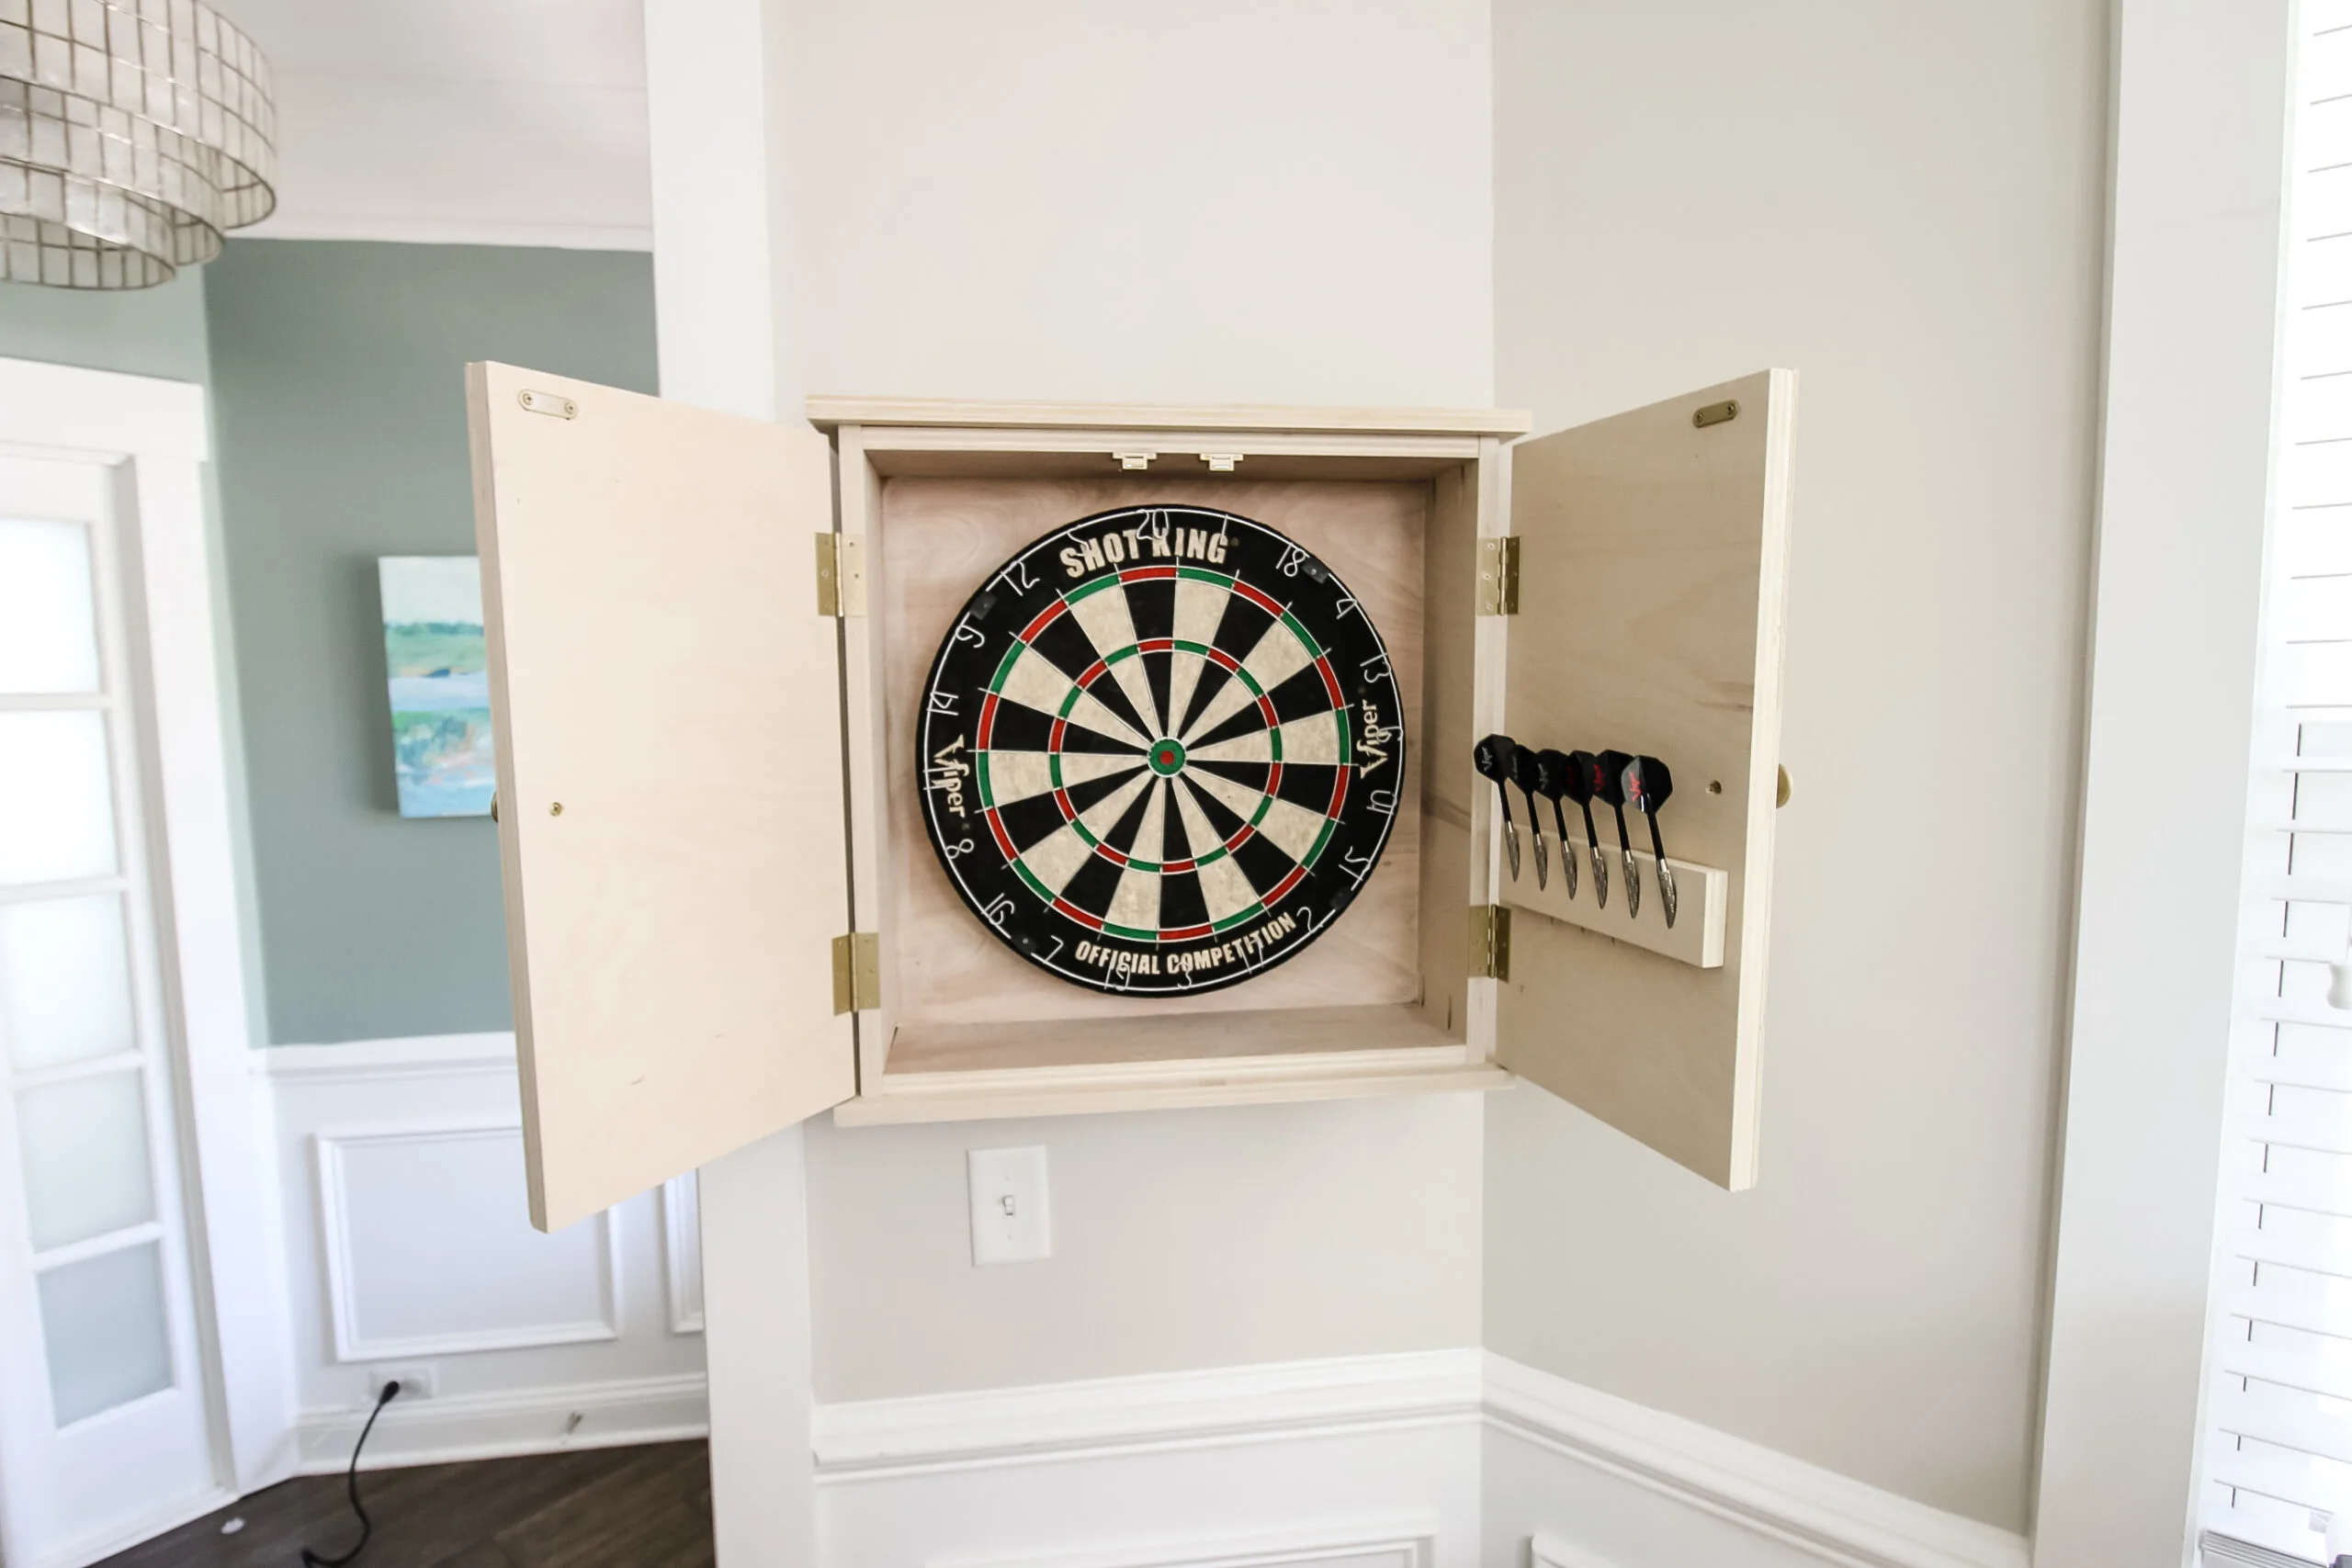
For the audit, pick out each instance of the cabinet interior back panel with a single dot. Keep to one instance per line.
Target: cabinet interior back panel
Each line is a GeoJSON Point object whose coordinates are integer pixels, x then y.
{"type": "Point", "coordinates": [940, 538]}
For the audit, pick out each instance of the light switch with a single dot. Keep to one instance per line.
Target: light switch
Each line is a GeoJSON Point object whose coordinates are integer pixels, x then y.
{"type": "Point", "coordinates": [1011, 1221]}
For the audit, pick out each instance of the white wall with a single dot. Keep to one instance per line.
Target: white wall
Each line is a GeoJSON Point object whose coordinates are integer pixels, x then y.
{"type": "Point", "coordinates": [1226, 201]}
{"type": "Point", "coordinates": [1904, 203]}
{"type": "Point", "coordinates": [1230, 201]}
{"type": "Point", "coordinates": [1181, 1239]}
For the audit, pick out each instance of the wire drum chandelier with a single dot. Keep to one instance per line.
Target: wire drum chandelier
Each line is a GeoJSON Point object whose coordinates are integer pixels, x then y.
{"type": "Point", "coordinates": [133, 135]}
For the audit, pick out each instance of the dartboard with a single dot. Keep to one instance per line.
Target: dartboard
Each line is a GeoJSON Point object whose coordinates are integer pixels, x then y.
{"type": "Point", "coordinates": [1161, 750]}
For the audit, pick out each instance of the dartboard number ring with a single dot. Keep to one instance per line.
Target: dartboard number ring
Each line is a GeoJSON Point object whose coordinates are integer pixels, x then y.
{"type": "Point", "coordinates": [1161, 749]}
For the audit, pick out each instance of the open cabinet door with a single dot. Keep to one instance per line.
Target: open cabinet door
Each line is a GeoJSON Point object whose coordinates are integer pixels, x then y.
{"type": "Point", "coordinates": [1653, 551]}
{"type": "Point", "coordinates": [667, 703]}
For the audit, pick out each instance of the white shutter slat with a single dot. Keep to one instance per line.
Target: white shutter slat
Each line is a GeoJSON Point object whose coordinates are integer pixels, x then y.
{"type": "Point", "coordinates": [2278, 1472]}
{"type": "Point", "coordinates": [2288, 1309]}
{"type": "Point", "coordinates": [2310, 1180]}
{"type": "Point", "coordinates": [2312, 1255]}
{"type": "Point", "coordinates": [2299, 1118]}
{"type": "Point", "coordinates": [2315, 1014]}
{"type": "Point", "coordinates": [2281, 1417]}
{"type": "Point", "coordinates": [2331, 1077]}
{"type": "Point", "coordinates": [2285, 1370]}
{"type": "Point", "coordinates": [2293, 889]}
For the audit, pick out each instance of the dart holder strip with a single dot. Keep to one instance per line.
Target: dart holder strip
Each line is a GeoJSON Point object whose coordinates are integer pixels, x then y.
{"type": "Point", "coordinates": [1697, 936]}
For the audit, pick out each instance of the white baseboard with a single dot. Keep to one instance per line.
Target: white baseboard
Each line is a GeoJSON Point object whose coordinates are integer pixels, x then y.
{"type": "Point", "coordinates": [499, 1426]}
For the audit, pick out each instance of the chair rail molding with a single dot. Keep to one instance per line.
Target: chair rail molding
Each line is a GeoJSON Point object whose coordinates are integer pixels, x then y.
{"type": "Point", "coordinates": [1156, 1412]}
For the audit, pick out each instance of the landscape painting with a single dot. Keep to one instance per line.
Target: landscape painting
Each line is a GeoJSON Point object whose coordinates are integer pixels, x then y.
{"type": "Point", "coordinates": [440, 683]}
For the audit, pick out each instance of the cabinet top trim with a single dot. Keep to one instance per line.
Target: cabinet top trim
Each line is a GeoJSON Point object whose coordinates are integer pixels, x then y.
{"type": "Point", "coordinates": [827, 412]}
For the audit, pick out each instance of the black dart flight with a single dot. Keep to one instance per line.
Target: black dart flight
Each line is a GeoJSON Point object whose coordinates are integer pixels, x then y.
{"type": "Point", "coordinates": [1161, 750]}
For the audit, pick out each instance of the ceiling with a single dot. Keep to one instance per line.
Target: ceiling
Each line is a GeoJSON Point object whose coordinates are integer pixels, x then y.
{"type": "Point", "coordinates": [464, 121]}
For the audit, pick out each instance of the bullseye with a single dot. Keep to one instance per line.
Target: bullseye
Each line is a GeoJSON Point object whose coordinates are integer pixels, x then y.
{"type": "Point", "coordinates": [1167, 757]}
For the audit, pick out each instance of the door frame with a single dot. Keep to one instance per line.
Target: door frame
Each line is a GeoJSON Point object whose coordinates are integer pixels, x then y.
{"type": "Point", "coordinates": [155, 437]}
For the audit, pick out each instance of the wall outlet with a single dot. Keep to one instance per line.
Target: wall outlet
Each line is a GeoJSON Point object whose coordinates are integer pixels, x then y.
{"type": "Point", "coordinates": [415, 1378]}
{"type": "Point", "coordinates": [1011, 1219]}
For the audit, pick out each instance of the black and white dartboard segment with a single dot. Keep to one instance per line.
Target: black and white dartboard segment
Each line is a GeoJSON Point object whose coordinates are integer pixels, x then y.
{"type": "Point", "coordinates": [1161, 750]}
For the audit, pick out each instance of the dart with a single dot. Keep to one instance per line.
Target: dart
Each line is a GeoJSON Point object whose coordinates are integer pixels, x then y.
{"type": "Point", "coordinates": [1527, 773]}
{"type": "Point", "coordinates": [1608, 785]}
{"type": "Point", "coordinates": [1584, 771]}
{"type": "Point", "coordinates": [1647, 783]}
{"type": "Point", "coordinates": [1493, 758]}
{"type": "Point", "coordinates": [1553, 770]}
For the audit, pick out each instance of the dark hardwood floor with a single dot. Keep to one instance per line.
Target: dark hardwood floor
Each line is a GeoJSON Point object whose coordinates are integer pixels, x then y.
{"type": "Point", "coordinates": [640, 1508]}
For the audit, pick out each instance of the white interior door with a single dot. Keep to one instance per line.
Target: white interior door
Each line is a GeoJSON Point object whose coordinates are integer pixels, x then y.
{"type": "Point", "coordinates": [104, 1430]}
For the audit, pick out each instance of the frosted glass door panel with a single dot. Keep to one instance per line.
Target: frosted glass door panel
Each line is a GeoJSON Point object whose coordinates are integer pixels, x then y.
{"type": "Point", "coordinates": [49, 633]}
{"type": "Point", "coordinates": [85, 1145]}
{"type": "Point", "coordinates": [64, 981]}
{"type": "Point", "coordinates": [104, 1325]}
{"type": "Point", "coordinates": [56, 796]}
{"type": "Point", "coordinates": [103, 1424]}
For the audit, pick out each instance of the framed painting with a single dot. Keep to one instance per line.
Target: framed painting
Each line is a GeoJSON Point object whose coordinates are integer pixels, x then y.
{"type": "Point", "coordinates": [439, 679]}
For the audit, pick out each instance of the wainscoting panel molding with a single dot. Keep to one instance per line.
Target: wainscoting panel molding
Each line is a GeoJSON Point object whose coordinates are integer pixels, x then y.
{"type": "Point", "coordinates": [682, 1251]}
{"type": "Point", "coordinates": [419, 1264]}
{"type": "Point", "coordinates": [1405, 1544]}
{"type": "Point", "coordinates": [1550, 1551]}
{"type": "Point", "coordinates": [410, 1256]}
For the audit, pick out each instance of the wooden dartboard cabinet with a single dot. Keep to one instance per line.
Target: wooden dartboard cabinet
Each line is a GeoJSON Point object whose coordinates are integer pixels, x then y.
{"type": "Point", "coordinates": [708, 636]}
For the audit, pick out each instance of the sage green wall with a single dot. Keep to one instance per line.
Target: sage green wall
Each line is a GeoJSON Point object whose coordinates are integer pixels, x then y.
{"type": "Point", "coordinates": [144, 331]}
{"type": "Point", "coordinates": [339, 406]}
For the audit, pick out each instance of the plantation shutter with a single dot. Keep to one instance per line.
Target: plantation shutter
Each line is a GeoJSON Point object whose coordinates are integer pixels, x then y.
{"type": "Point", "coordinates": [2278, 1450]}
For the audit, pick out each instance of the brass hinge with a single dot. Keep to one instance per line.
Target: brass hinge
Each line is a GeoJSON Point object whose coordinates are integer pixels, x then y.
{"type": "Point", "coordinates": [1490, 942]}
{"type": "Point", "coordinates": [841, 574]}
{"type": "Point", "coordinates": [857, 972]}
{"type": "Point", "coordinates": [1498, 576]}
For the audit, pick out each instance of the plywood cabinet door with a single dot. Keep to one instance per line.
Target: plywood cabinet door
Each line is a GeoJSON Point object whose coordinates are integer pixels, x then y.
{"type": "Point", "coordinates": [667, 703]}
{"type": "Point", "coordinates": [1653, 550]}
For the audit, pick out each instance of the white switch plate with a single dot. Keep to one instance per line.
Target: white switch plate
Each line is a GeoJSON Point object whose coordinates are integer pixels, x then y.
{"type": "Point", "coordinates": [1011, 1219]}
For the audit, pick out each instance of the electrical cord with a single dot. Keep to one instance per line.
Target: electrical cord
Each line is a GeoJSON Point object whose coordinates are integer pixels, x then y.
{"type": "Point", "coordinates": [351, 1480]}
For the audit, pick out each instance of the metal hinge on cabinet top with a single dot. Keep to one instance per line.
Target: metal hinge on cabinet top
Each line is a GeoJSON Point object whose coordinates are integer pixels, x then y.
{"type": "Point", "coordinates": [1490, 942]}
{"type": "Point", "coordinates": [857, 972]}
{"type": "Point", "coordinates": [841, 574]}
{"type": "Point", "coordinates": [1498, 576]}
